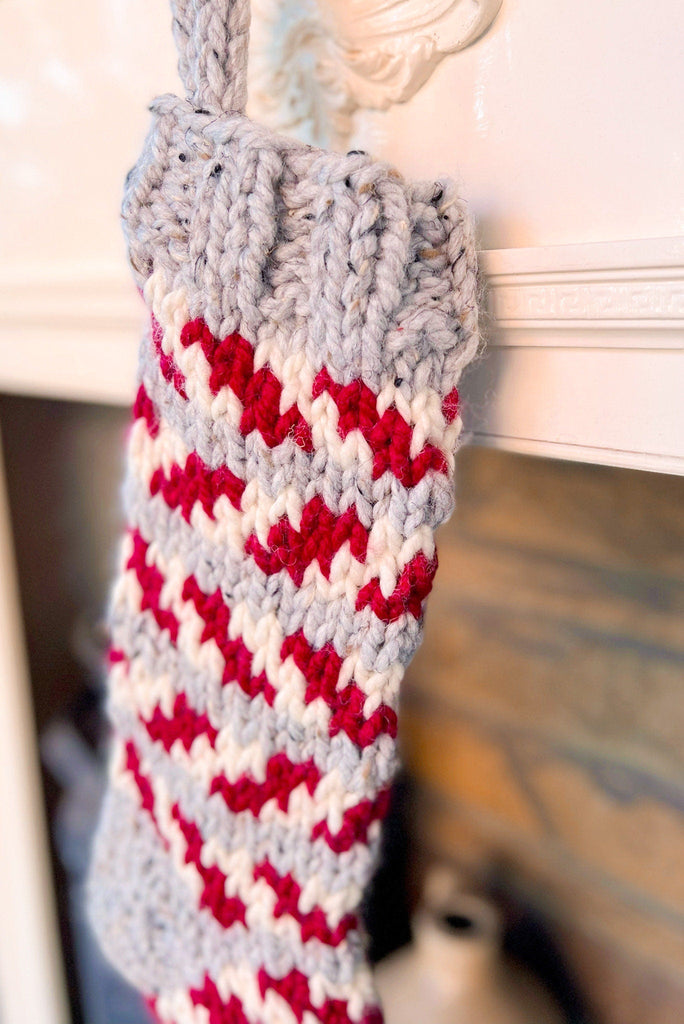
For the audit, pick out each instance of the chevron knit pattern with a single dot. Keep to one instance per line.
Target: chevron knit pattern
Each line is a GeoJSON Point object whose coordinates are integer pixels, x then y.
{"type": "Point", "coordinates": [291, 453]}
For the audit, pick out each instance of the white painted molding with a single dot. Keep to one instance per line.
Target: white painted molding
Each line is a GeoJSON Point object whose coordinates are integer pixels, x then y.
{"type": "Point", "coordinates": [72, 337]}
{"type": "Point", "coordinates": [629, 294]}
{"type": "Point", "coordinates": [585, 354]}
{"type": "Point", "coordinates": [313, 63]}
{"type": "Point", "coordinates": [584, 358]}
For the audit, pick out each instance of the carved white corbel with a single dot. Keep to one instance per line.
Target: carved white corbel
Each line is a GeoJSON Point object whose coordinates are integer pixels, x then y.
{"type": "Point", "coordinates": [314, 62]}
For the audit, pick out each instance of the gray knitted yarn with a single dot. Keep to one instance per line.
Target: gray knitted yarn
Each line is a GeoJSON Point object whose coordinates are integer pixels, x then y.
{"type": "Point", "coordinates": [291, 454]}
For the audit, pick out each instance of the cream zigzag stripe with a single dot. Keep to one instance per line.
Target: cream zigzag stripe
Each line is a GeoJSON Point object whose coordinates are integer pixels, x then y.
{"type": "Point", "coordinates": [423, 412]}
{"type": "Point", "coordinates": [257, 896]}
{"type": "Point", "coordinates": [387, 553]}
{"type": "Point", "coordinates": [177, 1007]}
{"type": "Point", "coordinates": [330, 800]}
{"type": "Point", "coordinates": [238, 866]}
{"type": "Point", "coordinates": [321, 987]}
{"type": "Point", "coordinates": [263, 638]}
{"type": "Point", "coordinates": [230, 708]}
{"type": "Point", "coordinates": [134, 689]}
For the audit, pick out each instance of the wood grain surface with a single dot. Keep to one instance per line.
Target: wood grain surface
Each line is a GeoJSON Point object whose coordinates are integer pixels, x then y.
{"type": "Point", "coordinates": [543, 719]}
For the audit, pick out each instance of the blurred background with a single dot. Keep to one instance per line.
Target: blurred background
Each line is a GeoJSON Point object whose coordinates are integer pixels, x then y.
{"type": "Point", "coordinates": [542, 720]}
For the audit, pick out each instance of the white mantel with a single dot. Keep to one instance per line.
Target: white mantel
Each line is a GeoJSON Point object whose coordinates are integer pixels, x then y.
{"type": "Point", "coordinates": [567, 147]}
{"type": "Point", "coordinates": [583, 360]}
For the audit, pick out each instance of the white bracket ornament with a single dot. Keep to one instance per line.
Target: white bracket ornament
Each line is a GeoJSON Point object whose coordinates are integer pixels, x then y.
{"type": "Point", "coordinates": [314, 62]}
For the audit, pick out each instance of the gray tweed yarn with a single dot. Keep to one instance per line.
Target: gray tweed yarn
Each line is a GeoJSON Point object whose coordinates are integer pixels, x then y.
{"type": "Point", "coordinates": [291, 454]}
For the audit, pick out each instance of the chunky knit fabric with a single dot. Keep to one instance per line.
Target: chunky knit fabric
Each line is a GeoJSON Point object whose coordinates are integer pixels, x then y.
{"type": "Point", "coordinates": [291, 454]}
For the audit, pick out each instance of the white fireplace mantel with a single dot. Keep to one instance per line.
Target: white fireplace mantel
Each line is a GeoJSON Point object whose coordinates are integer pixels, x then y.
{"type": "Point", "coordinates": [584, 353]}
{"type": "Point", "coordinates": [583, 329]}
{"type": "Point", "coordinates": [585, 356]}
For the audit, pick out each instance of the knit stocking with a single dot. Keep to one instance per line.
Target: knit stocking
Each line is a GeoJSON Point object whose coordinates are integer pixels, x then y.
{"type": "Point", "coordinates": [291, 454]}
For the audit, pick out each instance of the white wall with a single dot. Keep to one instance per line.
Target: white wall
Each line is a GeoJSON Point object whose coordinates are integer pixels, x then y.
{"type": "Point", "coordinates": [75, 78]}
{"type": "Point", "coordinates": [565, 122]}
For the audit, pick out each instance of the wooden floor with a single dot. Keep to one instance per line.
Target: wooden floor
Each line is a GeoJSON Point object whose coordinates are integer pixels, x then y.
{"type": "Point", "coordinates": [543, 719]}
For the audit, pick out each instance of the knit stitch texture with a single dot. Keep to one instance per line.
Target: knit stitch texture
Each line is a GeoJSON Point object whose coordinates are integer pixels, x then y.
{"type": "Point", "coordinates": [291, 454]}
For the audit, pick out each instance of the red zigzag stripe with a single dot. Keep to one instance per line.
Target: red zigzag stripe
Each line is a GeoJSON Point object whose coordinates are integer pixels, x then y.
{"type": "Point", "coordinates": [313, 923]}
{"type": "Point", "coordinates": [151, 582]}
{"type": "Point", "coordinates": [236, 655]}
{"type": "Point", "coordinates": [282, 777]}
{"type": "Point", "coordinates": [389, 436]}
{"type": "Point", "coordinates": [356, 822]}
{"type": "Point", "coordinates": [413, 586]}
{"type": "Point", "coordinates": [143, 409]}
{"type": "Point", "coordinates": [167, 365]}
{"type": "Point", "coordinates": [219, 1012]}
{"type": "Point", "coordinates": [321, 533]}
{"type": "Point", "coordinates": [142, 782]}
{"type": "Point", "coordinates": [320, 668]}
{"type": "Point", "coordinates": [321, 671]}
{"type": "Point", "coordinates": [195, 481]}
{"type": "Point", "coordinates": [210, 607]}
{"type": "Point", "coordinates": [320, 536]}
{"type": "Point", "coordinates": [294, 989]}
{"type": "Point", "coordinates": [228, 910]}
{"type": "Point", "coordinates": [232, 365]}
{"type": "Point", "coordinates": [231, 362]}
{"type": "Point", "coordinates": [185, 725]}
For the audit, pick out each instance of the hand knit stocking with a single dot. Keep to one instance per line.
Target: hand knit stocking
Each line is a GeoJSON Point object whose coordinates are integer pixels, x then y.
{"type": "Point", "coordinates": [291, 454]}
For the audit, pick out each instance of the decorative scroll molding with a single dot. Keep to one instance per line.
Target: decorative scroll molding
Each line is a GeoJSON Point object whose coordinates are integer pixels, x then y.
{"type": "Point", "coordinates": [314, 62]}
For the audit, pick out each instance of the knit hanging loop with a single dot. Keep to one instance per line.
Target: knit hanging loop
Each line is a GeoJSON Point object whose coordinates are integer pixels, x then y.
{"type": "Point", "coordinates": [212, 38]}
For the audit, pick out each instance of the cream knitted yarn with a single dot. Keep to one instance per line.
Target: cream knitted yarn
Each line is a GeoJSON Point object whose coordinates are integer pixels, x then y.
{"type": "Point", "coordinates": [291, 454]}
